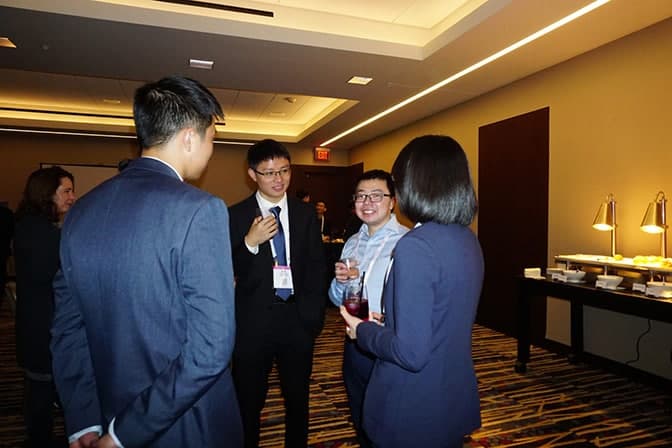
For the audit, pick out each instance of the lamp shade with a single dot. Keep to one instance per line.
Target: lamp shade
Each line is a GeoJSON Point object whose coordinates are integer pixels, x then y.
{"type": "Point", "coordinates": [606, 220]}
{"type": "Point", "coordinates": [653, 219]}
{"type": "Point", "coordinates": [606, 215]}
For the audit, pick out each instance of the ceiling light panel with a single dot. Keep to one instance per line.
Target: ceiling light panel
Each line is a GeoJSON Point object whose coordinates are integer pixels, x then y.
{"type": "Point", "coordinates": [201, 63]}
{"type": "Point", "coordinates": [360, 80]}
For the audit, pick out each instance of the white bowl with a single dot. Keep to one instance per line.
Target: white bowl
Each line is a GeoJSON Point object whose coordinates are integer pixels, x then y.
{"type": "Point", "coordinates": [659, 289]}
{"type": "Point", "coordinates": [574, 276]}
{"type": "Point", "coordinates": [610, 281]}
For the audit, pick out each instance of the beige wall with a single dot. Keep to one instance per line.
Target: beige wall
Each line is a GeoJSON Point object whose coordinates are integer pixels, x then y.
{"type": "Point", "coordinates": [610, 131]}
{"type": "Point", "coordinates": [22, 153]}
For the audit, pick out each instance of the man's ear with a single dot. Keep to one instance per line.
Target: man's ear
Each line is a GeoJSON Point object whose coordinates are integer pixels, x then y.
{"type": "Point", "coordinates": [252, 174]}
{"type": "Point", "coordinates": [187, 138]}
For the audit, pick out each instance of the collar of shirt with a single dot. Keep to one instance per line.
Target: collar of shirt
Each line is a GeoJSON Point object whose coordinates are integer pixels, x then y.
{"type": "Point", "coordinates": [165, 163]}
{"type": "Point", "coordinates": [265, 206]}
{"type": "Point", "coordinates": [391, 226]}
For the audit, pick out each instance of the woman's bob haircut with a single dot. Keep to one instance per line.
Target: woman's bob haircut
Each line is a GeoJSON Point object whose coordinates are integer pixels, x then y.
{"type": "Point", "coordinates": [433, 182]}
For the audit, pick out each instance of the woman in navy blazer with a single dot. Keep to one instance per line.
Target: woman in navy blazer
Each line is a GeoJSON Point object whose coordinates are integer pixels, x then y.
{"type": "Point", "coordinates": [423, 389]}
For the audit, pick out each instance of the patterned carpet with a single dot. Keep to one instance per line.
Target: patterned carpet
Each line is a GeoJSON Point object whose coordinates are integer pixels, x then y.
{"type": "Point", "coordinates": [555, 404]}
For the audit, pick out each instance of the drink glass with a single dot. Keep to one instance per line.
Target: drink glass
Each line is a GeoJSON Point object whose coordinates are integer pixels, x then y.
{"type": "Point", "coordinates": [352, 299]}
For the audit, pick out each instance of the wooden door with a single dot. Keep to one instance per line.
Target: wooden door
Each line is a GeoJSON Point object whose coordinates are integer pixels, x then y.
{"type": "Point", "coordinates": [513, 214]}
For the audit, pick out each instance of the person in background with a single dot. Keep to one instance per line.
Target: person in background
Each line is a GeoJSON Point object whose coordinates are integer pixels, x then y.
{"type": "Point", "coordinates": [371, 247]}
{"type": "Point", "coordinates": [6, 236]}
{"type": "Point", "coordinates": [322, 221]}
{"type": "Point", "coordinates": [280, 271]}
{"type": "Point", "coordinates": [423, 389]}
{"type": "Point", "coordinates": [144, 321]}
{"type": "Point", "coordinates": [47, 197]}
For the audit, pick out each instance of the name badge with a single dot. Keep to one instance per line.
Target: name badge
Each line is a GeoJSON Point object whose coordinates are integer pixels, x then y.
{"type": "Point", "coordinates": [282, 277]}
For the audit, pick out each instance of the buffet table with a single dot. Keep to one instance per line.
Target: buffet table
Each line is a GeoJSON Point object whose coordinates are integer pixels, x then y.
{"type": "Point", "coordinates": [644, 266]}
{"type": "Point", "coordinates": [623, 301]}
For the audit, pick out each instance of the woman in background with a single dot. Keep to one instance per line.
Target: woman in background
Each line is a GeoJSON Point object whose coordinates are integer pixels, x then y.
{"type": "Point", "coordinates": [48, 195]}
{"type": "Point", "coordinates": [371, 246]}
{"type": "Point", "coordinates": [423, 389]}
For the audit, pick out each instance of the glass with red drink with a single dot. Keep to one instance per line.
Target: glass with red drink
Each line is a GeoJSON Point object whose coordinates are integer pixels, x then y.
{"type": "Point", "coordinates": [352, 298]}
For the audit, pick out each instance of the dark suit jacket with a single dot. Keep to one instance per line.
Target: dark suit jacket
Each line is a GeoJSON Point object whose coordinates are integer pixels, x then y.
{"type": "Point", "coordinates": [144, 328]}
{"type": "Point", "coordinates": [423, 389]}
{"type": "Point", "coordinates": [254, 273]}
{"type": "Point", "coordinates": [36, 262]}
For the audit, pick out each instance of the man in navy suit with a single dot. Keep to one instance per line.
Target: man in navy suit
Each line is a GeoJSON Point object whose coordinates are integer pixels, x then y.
{"type": "Point", "coordinates": [144, 322]}
{"type": "Point", "coordinates": [279, 266]}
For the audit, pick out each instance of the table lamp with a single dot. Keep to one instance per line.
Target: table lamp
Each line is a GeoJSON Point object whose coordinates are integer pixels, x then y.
{"type": "Point", "coordinates": [655, 221]}
{"type": "Point", "coordinates": [606, 220]}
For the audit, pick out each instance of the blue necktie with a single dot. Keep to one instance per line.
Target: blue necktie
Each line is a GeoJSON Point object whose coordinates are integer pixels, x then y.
{"type": "Point", "coordinates": [280, 251]}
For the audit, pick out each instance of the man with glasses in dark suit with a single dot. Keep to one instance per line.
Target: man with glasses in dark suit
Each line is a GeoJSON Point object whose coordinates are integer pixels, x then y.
{"type": "Point", "coordinates": [280, 272]}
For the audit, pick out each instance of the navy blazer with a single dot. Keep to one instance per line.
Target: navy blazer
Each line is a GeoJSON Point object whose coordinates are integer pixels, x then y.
{"type": "Point", "coordinates": [423, 389]}
{"type": "Point", "coordinates": [144, 322]}
{"type": "Point", "coordinates": [254, 273]}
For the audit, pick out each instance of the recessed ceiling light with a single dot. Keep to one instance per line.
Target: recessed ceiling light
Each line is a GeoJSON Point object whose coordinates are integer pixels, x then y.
{"type": "Point", "coordinates": [5, 42]}
{"type": "Point", "coordinates": [200, 63]}
{"type": "Point", "coordinates": [360, 80]}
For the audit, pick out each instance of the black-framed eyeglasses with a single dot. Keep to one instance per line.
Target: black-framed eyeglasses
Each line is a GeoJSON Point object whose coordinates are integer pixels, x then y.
{"type": "Point", "coordinates": [271, 174]}
{"type": "Point", "coordinates": [373, 197]}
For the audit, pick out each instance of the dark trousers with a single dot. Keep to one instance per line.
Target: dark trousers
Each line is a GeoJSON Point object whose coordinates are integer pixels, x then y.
{"type": "Point", "coordinates": [39, 397]}
{"type": "Point", "coordinates": [357, 367]}
{"type": "Point", "coordinates": [291, 347]}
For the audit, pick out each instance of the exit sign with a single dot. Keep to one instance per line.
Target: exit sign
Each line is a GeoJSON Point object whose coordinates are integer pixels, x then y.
{"type": "Point", "coordinates": [321, 154]}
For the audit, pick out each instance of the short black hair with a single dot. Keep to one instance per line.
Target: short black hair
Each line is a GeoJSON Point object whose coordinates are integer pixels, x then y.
{"type": "Point", "coordinates": [163, 108]}
{"type": "Point", "coordinates": [38, 195]}
{"type": "Point", "coordinates": [378, 175]}
{"type": "Point", "coordinates": [266, 149]}
{"type": "Point", "coordinates": [433, 181]}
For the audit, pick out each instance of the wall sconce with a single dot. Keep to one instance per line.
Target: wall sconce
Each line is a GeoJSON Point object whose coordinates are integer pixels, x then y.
{"type": "Point", "coordinates": [605, 220]}
{"type": "Point", "coordinates": [655, 221]}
